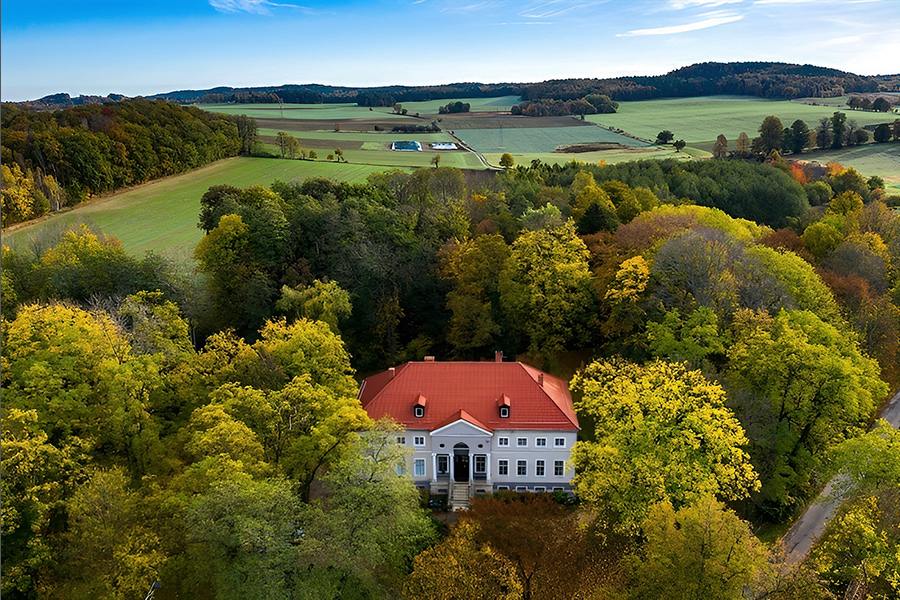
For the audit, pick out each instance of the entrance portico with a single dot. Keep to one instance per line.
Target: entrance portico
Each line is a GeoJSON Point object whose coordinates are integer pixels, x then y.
{"type": "Point", "coordinates": [461, 455]}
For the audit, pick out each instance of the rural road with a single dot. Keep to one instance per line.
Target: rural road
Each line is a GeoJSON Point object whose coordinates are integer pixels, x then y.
{"type": "Point", "coordinates": [799, 539]}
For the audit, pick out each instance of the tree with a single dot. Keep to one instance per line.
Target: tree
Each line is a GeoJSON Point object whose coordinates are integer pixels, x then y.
{"type": "Point", "coordinates": [870, 461]}
{"type": "Point", "coordinates": [838, 129]}
{"type": "Point", "coordinates": [881, 104]}
{"type": "Point", "coordinates": [799, 136]}
{"type": "Point", "coordinates": [679, 145]}
{"type": "Point", "coordinates": [593, 210]}
{"type": "Point", "coordinates": [460, 567]}
{"type": "Point", "coordinates": [821, 238]}
{"type": "Point", "coordinates": [802, 384]}
{"type": "Point", "coordinates": [554, 553]}
{"type": "Point", "coordinates": [720, 148]}
{"type": "Point", "coordinates": [895, 130]}
{"type": "Point", "coordinates": [545, 289]}
{"type": "Point", "coordinates": [702, 550]}
{"type": "Point", "coordinates": [743, 145]}
{"type": "Point", "coordinates": [692, 339]}
{"type": "Point", "coordinates": [436, 160]}
{"type": "Point", "coordinates": [664, 137]}
{"type": "Point", "coordinates": [283, 138]}
{"type": "Point", "coordinates": [662, 433]}
{"type": "Point", "coordinates": [246, 133]}
{"type": "Point", "coordinates": [771, 134]}
{"type": "Point", "coordinates": [321, 301]}
{"type": "Point", "coordinates": [339, 155]}
{"type": "Point", "coordinates": [506, 160]}
{"type": "Point", "coordinates": [883, 133]}
{"type": "Point", "coordinates": [824, 135]}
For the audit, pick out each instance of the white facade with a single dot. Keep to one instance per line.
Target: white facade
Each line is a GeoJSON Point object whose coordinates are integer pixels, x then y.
{"type": "Point", "coordinates": [461, 452]}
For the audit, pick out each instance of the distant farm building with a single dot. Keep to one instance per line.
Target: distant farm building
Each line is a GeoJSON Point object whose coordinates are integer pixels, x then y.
{"type": "Point", "coordinates": [444, 146]}
{"type": "Point", "coordinates": [406, 146]}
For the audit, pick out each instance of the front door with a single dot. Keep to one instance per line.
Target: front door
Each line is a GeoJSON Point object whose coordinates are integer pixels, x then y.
{"type": "Point", "coordinates": [460, 466]}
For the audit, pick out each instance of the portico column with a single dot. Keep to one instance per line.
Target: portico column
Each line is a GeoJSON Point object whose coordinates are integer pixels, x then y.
{"type": "Point", "coordinates": [471, 467]}
{"type": "Point", "coordinates": [488, 466]}
{"type": "Point", "coordinates": [434, 466]}
{"type": "Point", "coordinates": [453, 467]}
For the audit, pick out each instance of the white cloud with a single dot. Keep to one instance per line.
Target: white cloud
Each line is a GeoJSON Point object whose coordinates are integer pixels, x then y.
{"type": "Point", "coordinates": [682, 4]}
{"type": "Point", "coordinates": [712, 21]}
{"type": "Point", "coordinates": [255, 7]}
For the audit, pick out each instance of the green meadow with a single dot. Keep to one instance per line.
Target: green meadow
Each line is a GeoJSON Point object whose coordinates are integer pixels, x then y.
{"type": "Point", "coordinates": [540, 139]}
{"type": "Point", "coordinates": [609, 157]}
{"type": "Point", "coordinates": [329, 112]}
{"type": "Point", "coordinates": [869, 159]}
{"type": "Point", "coordinates": [431, 107]}
{"type": "Point", "coordinates": [699, 120]}
{"type": "Point", "coordinates": [162, 215]}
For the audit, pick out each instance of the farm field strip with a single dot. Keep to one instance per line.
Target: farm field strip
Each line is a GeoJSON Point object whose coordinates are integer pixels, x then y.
{"type": "Point", "coordinates": [162, 215]}
{"type": "Point", "coordinates": [535, 139]}
{"type": "Point", "coordinates": [605, 156]}
{"type": "Point", "coordinates": [385, 158]}
{"type": "Point", "coordinates": [303, 111]}
{"type": "Point", "coordinates": [699, 120]}
{"type": "Point", "coordinates": [385, 137]}
{"type": "Point", "coordinates": [431, 107]}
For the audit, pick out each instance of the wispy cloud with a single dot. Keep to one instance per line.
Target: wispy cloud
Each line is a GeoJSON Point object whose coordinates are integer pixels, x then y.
{"type": "Point", "coordinates": [706, 23]}
{"type": "Point", "coordinates": [254, 7]}
{"type": "Point", "coordinates": [683, 4]}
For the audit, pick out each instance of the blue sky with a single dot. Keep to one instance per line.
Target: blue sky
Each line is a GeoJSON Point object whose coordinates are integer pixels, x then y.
{"type": "Point", "coordinates": [142, 47]}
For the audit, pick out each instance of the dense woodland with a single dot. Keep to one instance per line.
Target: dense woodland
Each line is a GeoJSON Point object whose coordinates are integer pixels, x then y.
{"type": "Point", "coordinates": [59, 158]}
{"type": "Point", "coordinates": [762, 79]}
{"type": "Point", "coordinates": [733, 326]}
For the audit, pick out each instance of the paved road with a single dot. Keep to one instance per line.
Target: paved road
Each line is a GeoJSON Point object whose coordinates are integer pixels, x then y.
{"type": "Point", "coordinates": [799, 540]}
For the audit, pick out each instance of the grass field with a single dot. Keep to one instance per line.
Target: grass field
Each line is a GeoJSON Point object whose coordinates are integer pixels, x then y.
{"type": "Point", "coordinates": [430, 107]}
{"type": "Point", "coordinates": [360, 136]}
{"type": "Point", "coordinates": [609, 157]}
{"type": "Point", "coordinates": [334, 112]}
{"type": "Point", "coordinates": [162, 215]}
{"type": "Point", "coordinates": [539, 139]}
{"type": "Point", "coordinates": [699, 120]}
{"type": "Point", "coordinates": [869, 159]}
{"type": "Point", "coordinates": [377, 154]}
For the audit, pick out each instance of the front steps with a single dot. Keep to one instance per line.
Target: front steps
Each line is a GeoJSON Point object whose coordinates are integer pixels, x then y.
{"type": "Point", "coordinates": [459, 496]}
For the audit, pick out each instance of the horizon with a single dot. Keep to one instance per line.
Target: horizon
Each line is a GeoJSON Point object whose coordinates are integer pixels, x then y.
{"type": "Point", "coordinates": [167, 46]}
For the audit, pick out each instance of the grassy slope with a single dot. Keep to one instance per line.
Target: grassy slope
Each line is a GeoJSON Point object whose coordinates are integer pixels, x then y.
{"type": "Point", "coordinates": [431, 107]}
{"type": "Point", "coordinates": [378, 154]}
{"type": "Point", "coordinates": [302, 111]}
{"type": "Point", "coordinates": [870, 159]}
{"type": "Point", "coordinates": [162, 215]}
{"type": "Point", "coordinates": [700, 120]}
{"type": "Point", "coordinates": [607, 156]}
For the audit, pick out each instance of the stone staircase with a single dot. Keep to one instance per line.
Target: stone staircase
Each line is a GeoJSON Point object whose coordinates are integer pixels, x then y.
{"type": "Point", "coordinates": [459, 496]}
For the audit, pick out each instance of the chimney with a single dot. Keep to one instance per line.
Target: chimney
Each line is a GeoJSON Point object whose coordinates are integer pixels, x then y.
{"type": "Point", "coordinates": [429, 359]}
{"type": "Point", "coordinates": [392, 372]}
{"type": "Point", "coordinates": [498, 356]}
{"type": "Point", "coordinates": [541, 379]}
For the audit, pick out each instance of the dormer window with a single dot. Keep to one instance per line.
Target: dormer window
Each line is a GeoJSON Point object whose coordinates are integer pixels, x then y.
{"type": "Point", "coordinates": [419, 407]}
{"type": "Point", "coordinates": [503, 406]}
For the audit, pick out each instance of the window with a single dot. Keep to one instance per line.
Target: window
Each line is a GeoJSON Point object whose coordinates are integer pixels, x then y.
{"type": "Point", "coordinates": [504, 441]}
{"type": "Point", "coordinates": [501, 488]}
{"type": "Point", "coordinates": [480, 463]}
{"type": "Point", "coordinates": [540, 442]}
{"type": "Point", "coordinates": [443, 464]}
{"type": "Point", "coordinates": [479, 492]}
{"type": "Point", "coordinates": [521, 442]}
{"type": "Point", "coordinates": [502, 467]}
{"type": "Point", "coordinates": [559, 442]}
{"type": "Point", "coordinates": [521, 468]}
{"type": "Point", "coordinates": [521, 488]}
{"type": "Point", "coordinates": [540, 488]}
{"type": "Point", "coordinates": [539, 468]}
{"type": "Point", "coordinates": [419, 440]}
{"type": "Point", "coordinates": [559, 468]}
{"type": "Point", "coordinates": [504, 412]}
{"type": "Point", "coordinates": [558, 489]}
{"type": "Point", "coordinates": [419, 467]}
{"type": "Point", "coordinates": [401, 440]}
{"type": "Point", "coordinates": [419, 411]}
{"type": "Point", "coordinates": [400, 468]}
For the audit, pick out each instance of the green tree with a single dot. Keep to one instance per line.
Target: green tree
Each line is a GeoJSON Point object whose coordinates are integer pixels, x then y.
{"type": "Point", "coordinates": [679, 145]}
{"type": "Point", "coordinates": [799, 136]}
{"type": "Point", "coordinates": [771, 134]}
{"type": "Point", "coordinates": [720, 148]}
{"type": "Point", "coordinates": [545, 289]}
{"type": "Point", "coordinates": [699, 551]}
{"type": "Point", "coordinates": [321, 301]}
{"type": "Point", "coordinates": [883, 133]}
{"type": "Point", "coordinates": [692, 339]}
{"type": "Point", "coordinates": [838, 129]}
{"type": "Point", "coordinates": [664, 137]}
{"type": "Point", "coordinates": [662, 433]}
{"type": "Point", "coordinates": [506, 160]}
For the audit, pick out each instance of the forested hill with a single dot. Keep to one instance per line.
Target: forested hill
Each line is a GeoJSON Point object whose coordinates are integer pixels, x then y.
{"type": "Point", "coordinates": [763, 79]}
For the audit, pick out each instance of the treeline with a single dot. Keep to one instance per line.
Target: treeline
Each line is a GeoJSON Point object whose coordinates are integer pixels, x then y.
{"type": "Point", "coordinates": [588, 105]}
{"type": "Point", "coordinates": [454, 107]}
{"type": "Point", "coordinates": [775, 139]}
{"type": "Point", "coordinates": [55, 159]}
{"type": "Point", "coordinates": [762, 79]}
{"type": "Point", "coordinates": [880, 104]}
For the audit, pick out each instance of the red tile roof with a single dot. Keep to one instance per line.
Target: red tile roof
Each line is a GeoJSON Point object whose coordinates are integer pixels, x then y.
{"type": "Point", "coordinates": [474, 388]}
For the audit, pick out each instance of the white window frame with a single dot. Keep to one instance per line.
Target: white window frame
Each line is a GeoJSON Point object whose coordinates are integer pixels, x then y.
{"type": "Point", "coordinates": [540, 442]}
{"type": "Point", "coordinates": [521, 488]}
{"type": "Point", "coordinates": [503, 442]}
{"type": "Point", "coordinates": [400, 469]}
{"type": "Point", "coordinates": [558, 489]}
{"type": "Point", "coordinates": [504, 412]}
{"type": "Point", "coordinates": [416, 463]}
{"type": "Point", "coordinates": [502, 488]}
{"type": "Point", "coordinates": [521, 442]}
{"type": "Point", "coordinates": [540, 488]}
{"type": "Point", "coordinates": [401, 440]}
{"type": "Point", "coordinates": [445, 457]}
{"type": "Point", "coordinates": [419, 441]}
{"type": "Point", "coordinates": [520, 464]}
{"type": "Point", "coordinates": [540, 468]}
{"type": "Point", "coordinates": [562, 465]}
{"type": "Point", "coordinates": [419, 411]}
{"type": "Point", "coordinates": [559, 442]}
{"type": "Point", "coordinates": [503, 465]}
{"type": "Point", "coordinates": [475, 468]}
